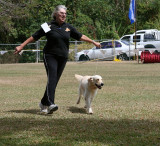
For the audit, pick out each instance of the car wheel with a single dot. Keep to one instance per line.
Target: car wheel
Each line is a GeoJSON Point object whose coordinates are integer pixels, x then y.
{"type": "Point", "coordinates": [84, 58]}
{"type": "Point", "coordinates": [122, 57]}
{"type": "Point", "coordinates": [149, 46]}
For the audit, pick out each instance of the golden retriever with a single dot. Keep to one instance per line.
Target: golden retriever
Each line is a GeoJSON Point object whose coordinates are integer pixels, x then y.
{"type": "Point", "coordinates": [88, 88]}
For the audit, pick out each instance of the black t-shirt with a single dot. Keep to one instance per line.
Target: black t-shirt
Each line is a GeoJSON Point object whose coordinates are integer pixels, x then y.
{"type": "Point", "coordinates": [58, 38]}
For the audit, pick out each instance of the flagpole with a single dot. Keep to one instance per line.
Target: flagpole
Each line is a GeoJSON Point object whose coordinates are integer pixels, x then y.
{"type": "Point", "coordinates": [132, 16]}
{"type": "Point", "coordinates": [135, 29]}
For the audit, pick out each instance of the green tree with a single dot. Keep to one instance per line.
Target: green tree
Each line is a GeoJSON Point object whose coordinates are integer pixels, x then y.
{"type": "Point", "coordinates": [98, 19]}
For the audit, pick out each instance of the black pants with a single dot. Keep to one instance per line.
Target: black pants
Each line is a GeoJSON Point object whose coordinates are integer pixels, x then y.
{"type": "Point", "coordinates": [54, 67]}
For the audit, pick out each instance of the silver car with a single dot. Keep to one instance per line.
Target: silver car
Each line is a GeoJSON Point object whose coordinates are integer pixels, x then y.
{"type": "Point", "coordinates": [109, 49]}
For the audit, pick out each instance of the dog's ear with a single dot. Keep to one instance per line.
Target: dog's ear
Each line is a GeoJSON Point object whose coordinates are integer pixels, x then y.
{"type": "Point", "coordinates": [90, 79]}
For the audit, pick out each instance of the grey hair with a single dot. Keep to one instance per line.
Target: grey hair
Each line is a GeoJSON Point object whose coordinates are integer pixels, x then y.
{"type": "Point", "coordinates": [57, 9]}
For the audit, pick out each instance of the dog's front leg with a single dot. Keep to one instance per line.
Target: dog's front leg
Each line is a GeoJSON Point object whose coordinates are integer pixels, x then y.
{"type": "Point", "coordinates": [88, 105]}
{"type": "Point", "coordinates": [92, 96]}
{"type": "Point", "coordinates": [90, 111]}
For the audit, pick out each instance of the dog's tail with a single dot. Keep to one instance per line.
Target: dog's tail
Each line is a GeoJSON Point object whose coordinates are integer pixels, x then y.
{"type": "Point", "coordinates": [78, 77]}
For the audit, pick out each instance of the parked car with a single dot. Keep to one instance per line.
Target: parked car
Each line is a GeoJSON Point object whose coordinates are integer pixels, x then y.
{"type": "Point", "coordinates": [109, 49]}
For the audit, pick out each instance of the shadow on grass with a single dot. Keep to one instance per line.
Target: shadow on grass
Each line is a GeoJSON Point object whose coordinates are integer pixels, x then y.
{"type": "Point", "coordinates": [70, 131]}
{"type": "Point", "coordinates": [30, 111]}
{"type": "Point", "coordinates": [26, 111]}
{"type": "Point", "coordinates": [77, 110]}
{"type": "Point", "coordinates": [72, 109]}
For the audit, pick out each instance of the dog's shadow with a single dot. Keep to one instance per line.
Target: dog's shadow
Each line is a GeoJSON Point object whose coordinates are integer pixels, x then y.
{"type": "Point", "coordinates": [74, 109]}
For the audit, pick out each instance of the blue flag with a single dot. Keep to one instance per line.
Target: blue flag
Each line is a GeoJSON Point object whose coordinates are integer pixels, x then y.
{"type": "Point", "coordinates": [131, 14]}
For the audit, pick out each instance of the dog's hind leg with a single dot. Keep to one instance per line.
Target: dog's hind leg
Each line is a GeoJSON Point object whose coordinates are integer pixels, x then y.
{"type": "Point", "coordinates": [80, 95]}
{"type": "Point", "coordinates": [78, 101]}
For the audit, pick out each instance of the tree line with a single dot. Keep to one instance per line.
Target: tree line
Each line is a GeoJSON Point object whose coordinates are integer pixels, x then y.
{"type": "Point", "coordinates": [98, 19]}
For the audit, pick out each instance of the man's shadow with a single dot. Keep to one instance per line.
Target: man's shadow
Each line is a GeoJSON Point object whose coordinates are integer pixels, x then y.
{"type": "Point", "coordinates": [30, 111]}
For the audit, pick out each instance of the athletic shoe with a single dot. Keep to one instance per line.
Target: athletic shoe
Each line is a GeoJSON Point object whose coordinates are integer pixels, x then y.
{"type": "Point", "coordinates": [45, 111]}
{"type": "Point", "coordinates": [52, 108]}
{"type": "Point", "coordinates": [43, 108]}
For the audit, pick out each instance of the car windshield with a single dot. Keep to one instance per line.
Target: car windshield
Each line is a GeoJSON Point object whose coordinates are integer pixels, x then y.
{"type": "Point", "coordinates": [105, 45]}
{"type": "Point", "coordinates": [126, 43]}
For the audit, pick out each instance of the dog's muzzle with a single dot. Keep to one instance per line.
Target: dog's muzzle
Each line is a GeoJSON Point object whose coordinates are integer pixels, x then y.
{"type": "Point", "coordinates": [99, 86]}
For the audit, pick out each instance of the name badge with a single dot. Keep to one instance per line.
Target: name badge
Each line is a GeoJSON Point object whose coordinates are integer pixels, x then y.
{"type": "Point", "coordinates": [45, 27]}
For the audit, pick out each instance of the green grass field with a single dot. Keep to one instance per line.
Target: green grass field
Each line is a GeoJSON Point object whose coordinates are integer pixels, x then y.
{"type": "Point", "coordinates": [126, 110]}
